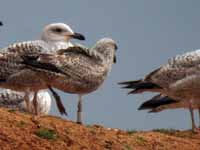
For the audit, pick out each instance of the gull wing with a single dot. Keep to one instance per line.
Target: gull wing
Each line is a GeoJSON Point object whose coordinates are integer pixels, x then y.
{"type": "Point", "coordinates": [176, 69]}
{"type": "Point", "coordinates": [28, 48]}
{"type": "Point", "coordinates": [80, 49]}
{"type": "Point", "coordinates": [71, 62]}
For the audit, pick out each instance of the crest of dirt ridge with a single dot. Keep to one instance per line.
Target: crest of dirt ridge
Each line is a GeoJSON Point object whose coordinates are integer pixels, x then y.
{"type": "Point", "coordinates": [20, 131]}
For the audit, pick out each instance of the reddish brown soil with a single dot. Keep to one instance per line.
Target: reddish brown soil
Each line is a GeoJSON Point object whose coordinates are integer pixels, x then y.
{"type": "Point", "coordinates": [18, 132]}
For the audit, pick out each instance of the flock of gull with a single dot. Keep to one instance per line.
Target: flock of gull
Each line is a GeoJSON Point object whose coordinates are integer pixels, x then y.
{"type": "Point", "coordinates": [33, 67]}
{"type": "Point", "coordinates": [30, 69]}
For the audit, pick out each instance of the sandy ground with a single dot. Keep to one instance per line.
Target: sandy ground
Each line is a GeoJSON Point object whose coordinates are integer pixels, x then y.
{"type": "Point", "coordinates": [18, 131]}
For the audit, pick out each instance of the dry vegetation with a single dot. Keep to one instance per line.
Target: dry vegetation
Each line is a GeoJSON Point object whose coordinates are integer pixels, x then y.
{"type": "Point", "coordinates": [18, 131]}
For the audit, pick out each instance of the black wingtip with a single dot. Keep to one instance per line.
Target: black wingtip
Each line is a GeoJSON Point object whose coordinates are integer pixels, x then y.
{"type": "Point", "coordinates": [156, 102]}
{"type": "Point", "coordinates": [32, 62]}
{"type": "Point", "coordinates": [59, 104]}
{"type": "Point", "coordinates": [140, 108]}
{"type": "Point", "coordinates": [129, 82]}
{"type": "Point", "coordinates": [1, 23]}
{"type": "Point", "coordinates": [129, 85]}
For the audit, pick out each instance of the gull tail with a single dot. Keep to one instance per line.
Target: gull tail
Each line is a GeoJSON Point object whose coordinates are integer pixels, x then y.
{"type": "Point", "coordinates": [155, 102]}
{"type": "Point", "coordinates": [139, 86]}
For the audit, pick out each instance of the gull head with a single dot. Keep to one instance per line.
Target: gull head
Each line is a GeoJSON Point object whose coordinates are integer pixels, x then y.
{"type": "Point", "coordinates": [59, 32]}
{"type": "Point", "coordinates": [107, 47]}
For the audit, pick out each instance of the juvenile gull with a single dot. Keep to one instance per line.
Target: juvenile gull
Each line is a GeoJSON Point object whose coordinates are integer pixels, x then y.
{"type": "Point", "coordinates": [15, 100]}
{"type": "Point", "coordinates": [179, 79]}
{"type": "Point", "coordinates": [77, 70]}
{"type": "Point", "coordinates": [15, 76]}
{"type": "Point", "coordinates": [160, 102]}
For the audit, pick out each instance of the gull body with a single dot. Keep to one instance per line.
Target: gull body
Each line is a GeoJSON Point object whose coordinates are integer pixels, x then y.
{"type": "Point", "coordinates": [77, 70]}
{"type": "Point", "coordinates": [15, 76]}
{"type": "Point", "coordinates": [178, 79]}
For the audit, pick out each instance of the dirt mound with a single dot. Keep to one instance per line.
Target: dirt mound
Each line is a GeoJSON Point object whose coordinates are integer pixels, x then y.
{"type": "Point", "coordinates": [18, 131]}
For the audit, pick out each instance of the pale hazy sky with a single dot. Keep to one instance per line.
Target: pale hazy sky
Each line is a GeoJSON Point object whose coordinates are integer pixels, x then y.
{"type": "Point", "coordinates": [147, 33]}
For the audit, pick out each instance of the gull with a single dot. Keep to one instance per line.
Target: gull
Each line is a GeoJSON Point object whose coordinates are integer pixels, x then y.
{"type": "Point", "coordinates": [178, 79]}
{"type": "Point", "coordinates": [161, 102]}
{"type": "Point", "coordinates": [15, 100]}
{"type": "Point", "coordinates": [76, 70]}
{"type": "Point", "coordinates": [15, 76]}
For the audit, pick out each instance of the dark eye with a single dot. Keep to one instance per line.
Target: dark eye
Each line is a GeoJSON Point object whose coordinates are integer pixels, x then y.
{"type": "Point", "coordinates": [57, 30]}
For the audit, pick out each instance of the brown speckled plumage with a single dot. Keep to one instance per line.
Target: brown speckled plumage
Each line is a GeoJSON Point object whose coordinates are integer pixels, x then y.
{"type": "Point", "coordinates": [82, 70]}
{"type": "Point", "coordinates": [178, 79]}
{"type": "Point", "coordinates": [15, 75]}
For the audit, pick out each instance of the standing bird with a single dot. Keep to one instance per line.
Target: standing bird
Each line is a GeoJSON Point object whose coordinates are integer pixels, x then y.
{"type": "Point", "coordinates": [15, 76]}
{"type": "Point", "coordinates": [160, 102]}
{"type": "Point", "coordinates": [76, 70]}
{"type": "Point", "coordinates": [15, 100]}
{"type": "Point", "coordinates": [179, 79]}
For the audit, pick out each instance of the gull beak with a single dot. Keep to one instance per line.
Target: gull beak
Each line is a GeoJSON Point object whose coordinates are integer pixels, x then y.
{"type": "Point", "coordinates": [116, 47]}
{"type": "Point", "coordinates": [115, 60]}
{"type": "Point", "coordinates": [77, 36]}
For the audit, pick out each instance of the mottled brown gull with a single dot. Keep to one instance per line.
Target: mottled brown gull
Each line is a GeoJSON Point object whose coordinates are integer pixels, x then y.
{"type": "Point", "coordinates": [16, 76]}
{"type": "Point", "coordinates": [76, 70]}
{"type": "Point", "coordinates": [179, 79]}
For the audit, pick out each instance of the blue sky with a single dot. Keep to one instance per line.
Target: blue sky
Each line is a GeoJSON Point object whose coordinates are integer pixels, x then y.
{"type": "Point", "coordinates": [147, 33]}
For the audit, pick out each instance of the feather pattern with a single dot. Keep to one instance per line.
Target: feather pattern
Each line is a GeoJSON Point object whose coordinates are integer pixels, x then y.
{"type": "Point", "coordinates": [180, 71]}
{"type": "Point", "coordinates": [84, 69]}
{"type": "Point", "coordinates": [17, 76]}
